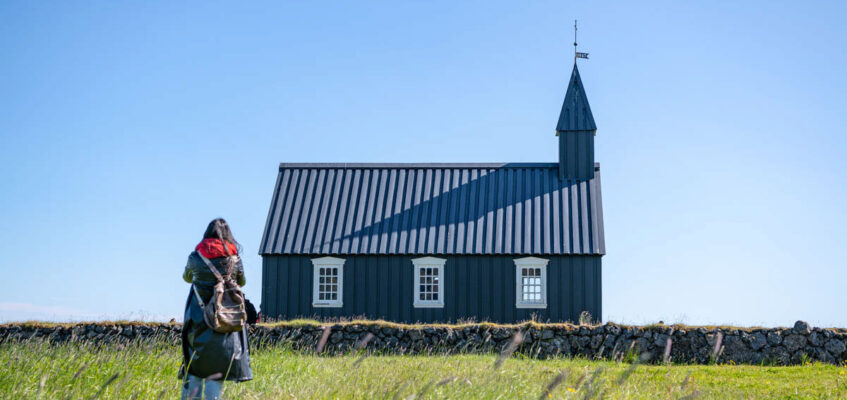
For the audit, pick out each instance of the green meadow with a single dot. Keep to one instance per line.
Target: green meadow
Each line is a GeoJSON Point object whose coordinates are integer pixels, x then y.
{"type": "Point", "coordinates": [147, 370]}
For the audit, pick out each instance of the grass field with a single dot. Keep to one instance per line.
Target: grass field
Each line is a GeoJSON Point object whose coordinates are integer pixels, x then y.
{"type": "Point", "coordinates": [34, 370]}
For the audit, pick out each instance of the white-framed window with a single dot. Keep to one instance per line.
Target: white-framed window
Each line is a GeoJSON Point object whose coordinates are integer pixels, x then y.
{"type": "Point", "coordinates": [328, 282]}
{"type": "Point", "coordinates": [531, 282]}
{"type": "Point", "coordinates": [429, 282]}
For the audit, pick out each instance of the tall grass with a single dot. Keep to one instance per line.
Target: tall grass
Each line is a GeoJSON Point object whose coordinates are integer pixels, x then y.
{"type": "Point", "coordinates": [147, 370]}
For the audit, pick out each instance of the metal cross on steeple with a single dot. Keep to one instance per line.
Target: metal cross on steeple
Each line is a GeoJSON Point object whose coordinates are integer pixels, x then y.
{"type": "Point", "coordinates": [577, 54]}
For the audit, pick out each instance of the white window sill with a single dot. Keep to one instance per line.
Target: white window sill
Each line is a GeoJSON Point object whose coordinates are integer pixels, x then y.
{"type": "Point", "coordinates": [519, 305]}
{"type": "Point", "coordinates": [428, 305]}
{"type": "Point", "coordinates": [327, 305]}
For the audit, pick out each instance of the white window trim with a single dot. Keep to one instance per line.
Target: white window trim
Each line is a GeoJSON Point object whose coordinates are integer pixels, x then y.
{"type": "Point", "coordinates": [417, 264]}
{"type": "Point", "coordinates": [317, 263]}
{"type": "Point", "coordinates": [530, 262]}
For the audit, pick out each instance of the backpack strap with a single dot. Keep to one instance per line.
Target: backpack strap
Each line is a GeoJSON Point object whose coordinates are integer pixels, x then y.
{"type": "Point", "coordinates": [197, 294]}
{"type": "Point", "coordinates": [211, 267]}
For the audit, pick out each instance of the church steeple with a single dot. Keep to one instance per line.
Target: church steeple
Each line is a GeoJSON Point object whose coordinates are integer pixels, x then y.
{"type": "Point", "coordinates": [576, 113]}
{"type": "Point", "coordinates": [576, 130]}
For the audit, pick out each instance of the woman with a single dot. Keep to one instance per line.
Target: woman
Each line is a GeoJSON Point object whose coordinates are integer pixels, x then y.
{"type": "Point", "coordinates": [211, 357]}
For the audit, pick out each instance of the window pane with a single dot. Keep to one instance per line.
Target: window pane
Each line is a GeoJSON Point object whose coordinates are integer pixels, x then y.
{"type": "Point", "coordinates": [435, 296]}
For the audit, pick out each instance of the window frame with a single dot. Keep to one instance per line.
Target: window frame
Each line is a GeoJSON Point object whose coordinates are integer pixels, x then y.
{"type": "Point", "coordinates": [327, 262]}
{"type": "Point", "coordinates": [530, 262]}
{"type": "Point", "coordinates": [427, 262]}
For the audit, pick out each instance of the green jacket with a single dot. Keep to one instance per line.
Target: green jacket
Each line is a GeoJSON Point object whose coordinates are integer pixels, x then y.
{"type": "Point", "coordinates": [197, 273]}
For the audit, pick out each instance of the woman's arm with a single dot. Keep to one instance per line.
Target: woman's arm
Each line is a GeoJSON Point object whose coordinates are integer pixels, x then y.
{"type": "Point", "coordinates": [188, 274]}
{"type": "Point", "coordinates": [239, 276]}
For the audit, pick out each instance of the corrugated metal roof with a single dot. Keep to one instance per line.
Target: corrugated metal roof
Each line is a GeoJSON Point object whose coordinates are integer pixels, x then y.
{"type": "Point", "coordinates": [517, 208]}
{"type": "Point", "coordinates": [576, 113]}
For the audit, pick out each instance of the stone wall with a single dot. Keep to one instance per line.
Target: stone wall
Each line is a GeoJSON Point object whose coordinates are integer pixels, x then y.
{"type": "Point", "coordinates": [91, 332]}
{"type": "Point", "coordinates": [783, 346]}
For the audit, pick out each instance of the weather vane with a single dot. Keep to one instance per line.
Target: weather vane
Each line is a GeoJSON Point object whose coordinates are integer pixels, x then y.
{"type": "Point", "coordinates": [577, 54]}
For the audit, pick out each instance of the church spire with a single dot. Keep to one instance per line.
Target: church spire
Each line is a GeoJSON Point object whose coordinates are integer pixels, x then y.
{"type": "Point", "coordinates": [576, 131]}
{"type": "Point", "coordinates": [576, 113]}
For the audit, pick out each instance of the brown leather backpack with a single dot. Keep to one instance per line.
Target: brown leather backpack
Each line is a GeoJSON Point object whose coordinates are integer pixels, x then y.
{"type": "Point", "coordinates": [224, 312]}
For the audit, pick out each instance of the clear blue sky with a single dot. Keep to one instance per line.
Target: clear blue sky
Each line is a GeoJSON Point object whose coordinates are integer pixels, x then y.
{"type": "Point", "coordinates": [126, 126]}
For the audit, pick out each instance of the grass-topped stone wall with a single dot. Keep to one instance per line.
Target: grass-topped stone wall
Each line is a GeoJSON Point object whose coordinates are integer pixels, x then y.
{"type": "Point", "coordinates": [653, 343]}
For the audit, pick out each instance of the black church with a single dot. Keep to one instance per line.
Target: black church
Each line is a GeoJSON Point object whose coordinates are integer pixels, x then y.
{"type": "Point", "coordinates": [428, 242]}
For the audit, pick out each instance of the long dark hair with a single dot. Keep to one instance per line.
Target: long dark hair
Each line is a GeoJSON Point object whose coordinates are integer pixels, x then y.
{"type": "Point", "coordinates": [219, 229]}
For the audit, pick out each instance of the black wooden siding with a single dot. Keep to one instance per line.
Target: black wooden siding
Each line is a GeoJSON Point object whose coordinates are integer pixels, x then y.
{"type": "Point", "coordinates": [576, 155]}
{"type": "Point", "coordinates": [477, 287]}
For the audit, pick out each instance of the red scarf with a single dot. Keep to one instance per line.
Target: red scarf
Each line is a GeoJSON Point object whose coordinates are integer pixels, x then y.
{"type": "Point", "coordinates": [214, 248]}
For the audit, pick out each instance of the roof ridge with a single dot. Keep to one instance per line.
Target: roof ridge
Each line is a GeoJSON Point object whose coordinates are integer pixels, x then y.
{"type": "Point", "coordinates": [320, 165]}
